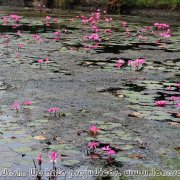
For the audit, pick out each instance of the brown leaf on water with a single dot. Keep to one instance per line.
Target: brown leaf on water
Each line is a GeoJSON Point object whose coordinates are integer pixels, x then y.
{"type": "Point", "coordinates": [178, 115]}
{"type": "Point", "coordinates": [136, 114]}
{"type": "Point", "coordinates": [177, 125]}
{"type": "Point", "coordinates": [177, 148]}
{"type": "Point", "coordinates": [41, 138]}
{"type": "Point", "coordinates": [13, 137]}
{"type": "Point", "coordinates": [136, 156]}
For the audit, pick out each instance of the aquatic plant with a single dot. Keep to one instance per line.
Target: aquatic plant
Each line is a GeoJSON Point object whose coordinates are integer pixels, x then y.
{"type": "Point", "coordinates": [178, 85]}
{"type": "Point", "coordinates": [20, 46]}
{"type": "Point", "coordinates": [5, 20]}
{"type": "Point", "coordinates": [57, 35]}
{"type": "Point", "coordinates": [53, 156]}
{"type": "Point", "coordinates": [94, 130]}
{"type": "Point", "coordinates": [19, 33]}
{"type": "Point", "coordinates": [16, 106]}
{"type": "Point", "coordinates": [106, 148]}
{"type": "Point", "coordinates": [178, 104]}
{"type": "Point", "coordinates": [40, 159]}
{"type": "Point", "coordinates": [37, 38]}
{"type": "Point", "coordinates": [93, 145]}
{"type": "Point", "coordinates": [40, 61]}
{"type": "Point", "coordinates": [27, 103]}
{"type": "Point", "coordinates": [119, 63]}
{"type": "Point", "coordinates": [111, 152]}
{"type": "Point", "coordinates": [161, 103]}
{"type": "Point", "coordinates": [54, 110]}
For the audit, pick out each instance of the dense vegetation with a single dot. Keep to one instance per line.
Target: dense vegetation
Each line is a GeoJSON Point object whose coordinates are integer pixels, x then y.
{"type": "Point", "coordinates": [117, 4]}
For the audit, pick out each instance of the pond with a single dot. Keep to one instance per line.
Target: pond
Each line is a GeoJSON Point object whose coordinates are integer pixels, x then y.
{"type": "Point", "coordinates": [94, 94]}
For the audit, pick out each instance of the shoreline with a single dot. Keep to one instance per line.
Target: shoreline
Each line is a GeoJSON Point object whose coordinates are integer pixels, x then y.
{"type": "Point", "coordinates": [129, 11]}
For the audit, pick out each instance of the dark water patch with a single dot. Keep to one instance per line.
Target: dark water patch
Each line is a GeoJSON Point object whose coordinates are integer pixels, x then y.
{"type": "Point", "coordinates": [35, 28]}
{"type": "Point", "coordinates": [23, 27]}
{"type": "Point", "coordinates": [115, 49]}
{"type": "Point", "coordinates": [110, 89]}
{"type": "Point", "coordinates": [135, 87]}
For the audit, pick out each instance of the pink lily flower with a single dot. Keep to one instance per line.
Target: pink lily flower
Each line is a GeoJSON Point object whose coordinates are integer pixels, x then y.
{"type": "Point", "coordinates": [19, 33]}
{"type": "Point", "coordinates": [93, 129]}
{"type": "Point", "coordinates": [16, 106]}
{"type": "Point", "coordinates": [178, 85]}
{"type": "Point", "coordinates": [161, 103]}
{"type": "Point", "coordinates": [111, 152]}
{"type": "Point", "coordinates": [46, 60]}
{"type": "Point", "coordinates": [53, 110]}
{"type": "Point", "coordinates": [20, 46]}
{"type": "Point", "coordinates": [5, 20]}
{"type": "Point", "coordinates": [124, 24]}
{"type": "Point", "coordinates": [174, 98]}
{"type": "Point", "coordinates": [57, 36]}
{"type": "Point", "coordinates": [108, 31]}
{"type": "Point", "coordinates": [27, 103]}
{"type": "Point", "coordinates": [48, 18]}
{"type": "Point", "coordinates": [93, 145]}
{"type": "Point", "coordinates": [106, 148]}
{"type": "Point", "coordinates": [40, 61]}
{"type": "Point", "coordinates": [53, 156]}
{"type": "Point", "coordinates": [40, 159]}
{"type": "Point", "coordinates": [178, 104]}
{"type": "Point", "coordinates": [120, 63]}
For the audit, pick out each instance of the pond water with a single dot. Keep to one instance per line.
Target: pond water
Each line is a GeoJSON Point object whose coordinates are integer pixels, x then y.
{"type": "Point", "coordinates": [80, 73]}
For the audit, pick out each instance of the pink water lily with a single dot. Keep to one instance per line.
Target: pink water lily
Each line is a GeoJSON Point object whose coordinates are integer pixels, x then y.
{"type": "Point", "coordinates": [53, 110]}
{"type": "Point", "coordinates": [108, 19]}
{"type": "Point", "coordinates": [19, 33]}
{"type": "Point", "coordinates": [108, 31]}
{"type": "Point", "coordinates": [40, 159]}
{"type": "Point", "coordinates": [93, 129]}
{"type": "Point", "coordinates": [53, 156]}
{"type": "Point", "coordinates": [94, 37]}
{"type": "Point", "coordinates": [20, 46]}
{"type": "Point", "coordinates": [40, 61]}
{"type": "Point", "coordinates": [161, 103]}
{"type": "Point", "coordinates": [93, 145]}
{"type": "Point", "coordinates": [174, 98]}
{"type": "Point", "coordinates": [124, 24]}
{"type": "Point", "coordinates": [178, 85]}
{"type": "Point", "coordinates": [37, 38]}
{"type": "Point", "coordinates": [27, 103]}
{"type": "Point", "coordinates": [16, 106]}
{"type": "Point", "coordinates": [16, 18]}
{"type": "Point", "coordinates": [119, 63]}
{"type": "Point", "coordinates": [5, 20]}
{"type": "Point", "coordinates": [48, 18]}
{"type": "Point", "coordinates": [46, 60]}
{"type": "Point", "coordinates": [106, 148]}
{"type": "Point", "coordinates": [111, 152]}
{"type": "Point", "coordinates": [178, 104]}
{"type": "Point", "coordinates": [161, 25]}
{"type": "Point", "coordinates": [57, 36]}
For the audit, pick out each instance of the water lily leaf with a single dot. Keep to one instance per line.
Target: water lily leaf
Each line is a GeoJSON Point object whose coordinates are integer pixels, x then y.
{"type": "Point", "coordinates": [123, 159]}
{"type": "Point", "coordinates": [70, 162]}
{"type": "Point", "coordinates": [136, 156]}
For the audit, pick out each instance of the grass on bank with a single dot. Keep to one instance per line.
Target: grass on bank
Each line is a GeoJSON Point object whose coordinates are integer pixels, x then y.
{"type": "Point", "coordinates": [173, 4]}
{"type": "Point", "coordinates": [153, 3]}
